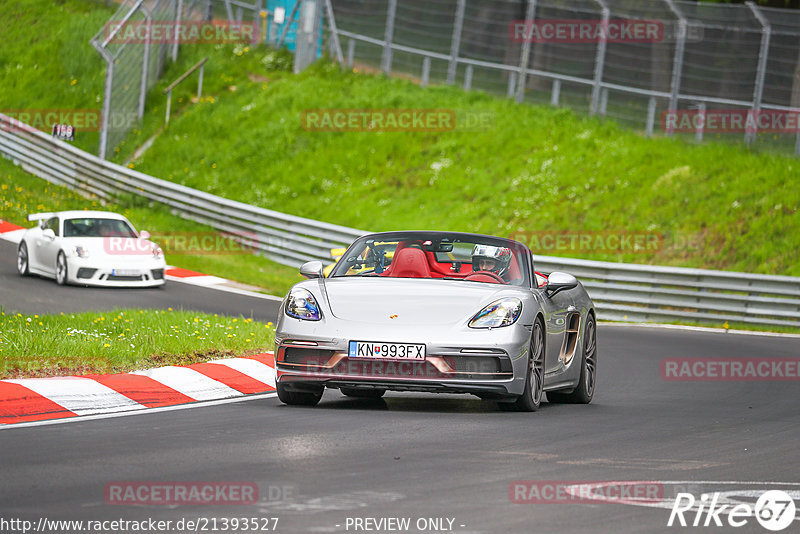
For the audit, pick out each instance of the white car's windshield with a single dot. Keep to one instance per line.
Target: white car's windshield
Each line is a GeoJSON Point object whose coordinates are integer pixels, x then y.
{"type": "Point", "coordinates": [436, 255]}
{"type": "Point", "coordinates": [97, 227]}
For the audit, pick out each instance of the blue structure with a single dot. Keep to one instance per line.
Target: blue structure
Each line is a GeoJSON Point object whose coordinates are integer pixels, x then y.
{"type": "Point", "coordinates": [288, 6]}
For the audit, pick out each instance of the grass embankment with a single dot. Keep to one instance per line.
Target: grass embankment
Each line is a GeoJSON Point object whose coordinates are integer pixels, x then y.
{"type": "Point", "coordinates": [122, 340]}
{"type": "Point", "coordinates": [537, 171]}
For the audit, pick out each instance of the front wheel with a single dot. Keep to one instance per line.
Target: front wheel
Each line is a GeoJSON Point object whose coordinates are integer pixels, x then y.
{"type": "Point", "coordinates": [534, 383]}
{"type": "Point", "coordinates": [61, 269]}
{"type": "Point", "coordinates": [23, 267]}
{"type": "Point", "coordinates": [584, 391]}
{"type": "Point", "coordinates": [298, 398]}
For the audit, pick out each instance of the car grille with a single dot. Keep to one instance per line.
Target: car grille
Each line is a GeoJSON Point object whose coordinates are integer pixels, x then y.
{"type": "Point", "coordinates": [117, 278]}
{"type": "Point", "coordinates": [158, 274]}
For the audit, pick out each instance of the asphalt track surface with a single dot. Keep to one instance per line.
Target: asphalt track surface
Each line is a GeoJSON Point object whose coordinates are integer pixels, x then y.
{"type": "Point", "coordinates": [419, 456]}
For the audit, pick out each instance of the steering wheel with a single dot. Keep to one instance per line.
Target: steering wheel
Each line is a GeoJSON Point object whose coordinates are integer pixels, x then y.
{"type": "Point", "coordinates": [490, 274]}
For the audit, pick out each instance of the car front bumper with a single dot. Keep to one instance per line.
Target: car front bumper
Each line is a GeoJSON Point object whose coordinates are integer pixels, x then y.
{"type": "Point", "coordinates": [149, 273]}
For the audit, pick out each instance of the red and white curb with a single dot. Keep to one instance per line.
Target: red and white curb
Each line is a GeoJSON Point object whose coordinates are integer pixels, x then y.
{"type": "Point", "coordinates": [13, 233]}
{"type": "Point", "coordinates": [39, 399]}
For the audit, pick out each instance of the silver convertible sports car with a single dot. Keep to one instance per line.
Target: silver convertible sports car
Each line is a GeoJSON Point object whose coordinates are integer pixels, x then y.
{"type": "Point", "coordinates": [437, 312]}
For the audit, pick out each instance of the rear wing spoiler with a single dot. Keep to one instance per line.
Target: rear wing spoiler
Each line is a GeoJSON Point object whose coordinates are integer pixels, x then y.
{"type": "Point", "coordinates": [40, 216]}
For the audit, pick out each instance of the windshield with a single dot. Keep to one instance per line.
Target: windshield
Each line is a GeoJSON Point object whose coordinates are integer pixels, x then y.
{"type": "Point", "coordinates": [436, 255]}
{"type": "Point", "coordinates": [94, 227]}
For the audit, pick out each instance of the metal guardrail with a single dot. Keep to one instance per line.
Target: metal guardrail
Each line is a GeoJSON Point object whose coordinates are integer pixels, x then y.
{"type": "Point", "coordinates": [621, 291]}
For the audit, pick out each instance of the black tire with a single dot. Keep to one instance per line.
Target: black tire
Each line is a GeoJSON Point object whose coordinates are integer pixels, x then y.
{"type": "Point", "coordinates": [530, 400]}
{"type": "Point", "coordinates": [584, 391]}
{"type": "Point", "coordinates": [61, 269]}
{"type": "Point", "coordinates": [363, 393]}
{"type": "Point", "coordinates": [298, 398]}
{"type": "Point", "coordinates": [23, 260]}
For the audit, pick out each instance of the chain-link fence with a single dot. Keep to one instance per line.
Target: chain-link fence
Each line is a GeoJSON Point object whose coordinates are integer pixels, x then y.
{"type": "Point", "coordinates": [721, 71]}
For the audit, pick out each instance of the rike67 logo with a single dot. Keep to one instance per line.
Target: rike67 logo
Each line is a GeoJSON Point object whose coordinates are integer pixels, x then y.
{"type": "Point", "coordinates": [774, 510]}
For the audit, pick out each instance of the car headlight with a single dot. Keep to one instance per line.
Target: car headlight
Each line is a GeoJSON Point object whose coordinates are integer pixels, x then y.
{"type": "Point", "coordinates": [80, 251]}
{"type": "Point", "coordinates": [301, 304]}
{"type": "Point", "coordinates": [503, 312]}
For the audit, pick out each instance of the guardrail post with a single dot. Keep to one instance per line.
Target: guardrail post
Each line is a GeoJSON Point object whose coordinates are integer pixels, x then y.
{"type": "Point", "coordinates": [426, 71]}
{"type": "Point", "coordinates": [455, 42]}
{"type": "Point", "coordinates": [677, 60]}
{"type": "Point", "coordinates": [600, 60]}
{"type": "Point", "coordinates": [525, 56]}
{"type": "Point", "coordinates": [386, 60]}
{"type": "Point", "coordinates": [651, 116]}
{"type": "Point", "coordinates": [555, 96]}
{"type": "Point", "coordinates": [763, 55]}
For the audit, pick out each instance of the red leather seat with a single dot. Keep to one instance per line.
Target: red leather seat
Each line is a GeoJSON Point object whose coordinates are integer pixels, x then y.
{"type": "Point", "coordinates": [410, 263]}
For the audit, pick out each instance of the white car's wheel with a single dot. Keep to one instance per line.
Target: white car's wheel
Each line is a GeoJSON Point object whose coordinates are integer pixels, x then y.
{"type": "Point", "coordinates": [23, 266]}
{"type": "Point", "coordinates": [61, 269]}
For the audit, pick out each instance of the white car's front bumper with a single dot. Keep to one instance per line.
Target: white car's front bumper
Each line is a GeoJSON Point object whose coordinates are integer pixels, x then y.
{"type": "Point", "coordinates": [141, 273]}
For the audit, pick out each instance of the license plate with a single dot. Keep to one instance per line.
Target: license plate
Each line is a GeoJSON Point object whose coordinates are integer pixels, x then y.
{"type": "Point", "coordinates": [125, 272]}
{"type": "Point", "coordinates": [387, 351]}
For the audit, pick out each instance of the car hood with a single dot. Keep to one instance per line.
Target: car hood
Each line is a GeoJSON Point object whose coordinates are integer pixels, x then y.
{"type": "Point", "coordinates": [411, 301]}
{"type": "Point", "coordinates": [114, 247]}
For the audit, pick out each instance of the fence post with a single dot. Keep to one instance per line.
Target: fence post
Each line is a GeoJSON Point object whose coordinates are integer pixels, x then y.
{"type": "Point", "coordinates": [145, 60]}
{"type": "Point", "coordinates": [763, 55]}
{"type": "Point", "coordinates": [334, 32]}
{"type": "Point", "coordinates": [101, 151]}
{"type": "Point", "coordinates": [525, 56]}
{"type": "Point", "coordinates": [677, 60]}
{"type": "Point", "coordinates": [556, 94]}
{"type": "Point", "coordinates": [426, 71]}
{"type": "Point", "coordinates": [178, 16]}
{"type": "Point", "coordinates": [512, 84]}
{"type": "Point", "coordinates": [600, 59]}
{"type": "Point", "coordinates": [701, 122]}
{"type": "Point", "coordinates": [468, 78]}
{"type": "Point", "coordinates": [455, 42]}
{"type": "Point", "coordinates": [386, 60]}
{"type": "Point", "coordinates": [351, 52]}
{"type": "Point", "coordinates": [651, 115]}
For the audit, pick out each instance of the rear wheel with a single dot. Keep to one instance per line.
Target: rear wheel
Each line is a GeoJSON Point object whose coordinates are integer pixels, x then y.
{"type": "Point", "coordinates": [529, 401]}
{"type": "Point", "coordinates": [23, 267]}
{"type": "Point", "coordinates": [298, 398]}
{"type": "Point", "coordinates": [363, 393]}
{"type": "Point", "coordinates": [61, 269]}
{"type": "Point", "coordinates": [584, 391]}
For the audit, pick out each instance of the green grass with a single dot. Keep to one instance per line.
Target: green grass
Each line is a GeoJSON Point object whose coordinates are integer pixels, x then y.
{"type": "Point", "coordinates": [22, 193]}
{"type": "Point", "coordinates": [46, 61]}
{"type": "Point", "coordinates": [537, 170]}
{"type": "Point", "coordinates": [122, 340]}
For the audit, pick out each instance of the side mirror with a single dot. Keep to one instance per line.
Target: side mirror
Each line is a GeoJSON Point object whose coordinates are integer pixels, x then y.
{"type": "Point", "coordinates": [49, 233]}
{"type": "Point", "coordinates": [311, 269]}
{"type": "Point", "coordinates": [144, 234]}
{"type": "Point", "coordinates": [558, 281]}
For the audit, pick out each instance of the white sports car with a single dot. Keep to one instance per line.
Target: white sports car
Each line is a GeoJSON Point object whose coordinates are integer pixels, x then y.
{"type": "Point", "coordinates": [97, 248]}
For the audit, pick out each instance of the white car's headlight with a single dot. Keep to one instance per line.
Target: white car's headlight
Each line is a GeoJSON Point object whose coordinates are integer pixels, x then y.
{"type": "Point", "coordinates": [301, 304]}
{"type": "Point", "coordinates": [81, 252]}
{"type": "Point", "coordinates": [503, 312]}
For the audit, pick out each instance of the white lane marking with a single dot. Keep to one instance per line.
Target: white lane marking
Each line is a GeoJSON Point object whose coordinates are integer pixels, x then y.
{"type": "Point", "coordinates": [697, 329]}
{"type": "Point", "coordinates": [252, 368]}
{"type": "Point", "coordinates": [190, 382]}
{"type": "Point", "coordinates": [82, 396]}
{"type": "Point", "coordinates": [139, 412]}
{"type": "Point", "coordinates": [204, 280]}
{"type": "Point", "coordinates": [15, 236]}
